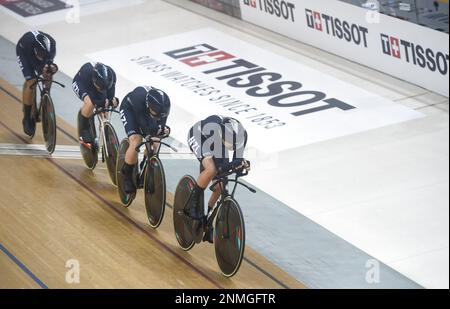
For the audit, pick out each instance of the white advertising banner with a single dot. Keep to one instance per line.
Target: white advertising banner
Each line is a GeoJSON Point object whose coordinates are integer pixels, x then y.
{"type": "Point", "coordinates": [402, 49]}
{"type": "Point", "coordinates": [281, 103]}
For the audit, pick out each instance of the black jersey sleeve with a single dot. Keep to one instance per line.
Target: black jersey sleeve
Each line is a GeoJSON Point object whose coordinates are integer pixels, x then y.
{"type": "Point", "coordinates": [52, 54]}
{"type": "Point", "coordinates": [81, 81]}
{"type": "Point", "coordinates": [112, 91]}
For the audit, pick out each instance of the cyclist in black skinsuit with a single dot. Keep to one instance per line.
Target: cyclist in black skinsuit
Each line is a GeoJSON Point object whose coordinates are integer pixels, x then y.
{"type": "Point", "coordinates": [36, 51]}
{"type": "Point", "coordinates": [144, 112]}
{"type": "Point", "coordinates": [211, 140]}
{"type": "Point", "coordinates": [95, 85]}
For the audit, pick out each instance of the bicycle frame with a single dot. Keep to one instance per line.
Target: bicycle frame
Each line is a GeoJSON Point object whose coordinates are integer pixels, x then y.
{"type": "Point", "coordinates": [39, 82]}
{"type": "Point", "coordinates": [148, 142]}
{"type": "Point", "coordinates": [103, 116]}
{"type": "Point", "coordinates": [223, 181]}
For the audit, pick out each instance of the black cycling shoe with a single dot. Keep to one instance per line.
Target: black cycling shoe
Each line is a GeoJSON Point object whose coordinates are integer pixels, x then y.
{"type": "Point", "coordinates": [86, 139]}
{"type": "Point", "coordinates": [85, 126]}
{"type": "Point", "coordinates": [128, 183]}
{"type": "Point", "coordinates": [209, 235]}
{"type": "Point", "coordinates": [29, 127]}
{"type": "Point", "coordinates": [194, 204]}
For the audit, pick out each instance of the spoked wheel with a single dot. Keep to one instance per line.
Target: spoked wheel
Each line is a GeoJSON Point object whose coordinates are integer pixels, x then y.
{"type": "Point", "coordinates": [155, 192]}
{"type": "Point", "coordinates": [112, 147]}
{"type": "Point", "coordinates": [48, 123]}
{"type": "Point", "coordinates": [181, 222]}
{"type": "Point", "coordinates": [89, 154]}
{"type": "Point", "coordinates": [126, 199]}
{"type": "Point", "coordinates": [229, 237]}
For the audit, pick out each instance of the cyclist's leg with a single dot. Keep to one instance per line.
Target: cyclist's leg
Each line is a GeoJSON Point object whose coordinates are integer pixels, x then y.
{"type": "Point", "coordinates": [28, 93]}
{"type": "Point", "coordinates": [212, 163]}
{"type": "Point", "coordinates": [208, 173]}
{"type": "Point", "coordinates": [193, 206]}
{"type": "Point", "coordinates": [87, 110]}
{"type": "Point", "coordinates": [86, 123]}
{"type": "Point", "coordinates": [131, 156]}
{"type": "Point", "coordinates": [214, 197]}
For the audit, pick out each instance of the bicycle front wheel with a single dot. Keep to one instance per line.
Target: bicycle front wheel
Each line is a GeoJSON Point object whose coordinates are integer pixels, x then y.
{"type": "Point", "coordinates": [155, 192]}
{"type": "Point", "coordinates": [112, 146]}
{"type": "Point", "coordinates": [181, 222]}
{"type": "Point", "coordinates": [229, 237]}
{"type": "Point", "coordinates": [48, 118]}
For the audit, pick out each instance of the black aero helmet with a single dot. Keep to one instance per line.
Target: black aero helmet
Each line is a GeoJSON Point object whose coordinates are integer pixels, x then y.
{"type": "Point", "coordinates": [158, 103]}
{"type": "Point", "coordinates": [233, 133]}
{"type": "Point", "coordinates": [102, 76]}
{"type": "Point", "coordinates": [42, 45]}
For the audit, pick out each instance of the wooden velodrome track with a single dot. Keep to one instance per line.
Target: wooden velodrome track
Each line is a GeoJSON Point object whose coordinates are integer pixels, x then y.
{"type": "Point", "coordinates": [55, 210]}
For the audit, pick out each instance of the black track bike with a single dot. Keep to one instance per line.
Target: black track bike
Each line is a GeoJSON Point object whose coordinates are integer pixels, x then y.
{"type": "Point", "coordinates": [108, 143]}
{"type": "Point", "coordinates": [148, 175]}
{"type": "Point", "coordinates": [44, 111]}
{"type": "Point", "coordinates": [226, 217]}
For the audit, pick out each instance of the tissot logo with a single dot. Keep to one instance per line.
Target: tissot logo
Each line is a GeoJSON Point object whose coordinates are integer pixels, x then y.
{"type": "Point", "coordinates": [257, 81]}
{"type": "Point", "coordinates": [415, 54]}
{"type": "Point", "coordinates": [336, 27]}
{"type": "Point", "coordinates": [279, 8]}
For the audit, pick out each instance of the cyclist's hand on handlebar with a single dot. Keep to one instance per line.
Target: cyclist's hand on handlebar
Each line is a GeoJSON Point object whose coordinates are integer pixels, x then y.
{"type": "Point", "coordinates": [115, 102]}
{"type": "Point", "coordinates": [247, 166]}
{"type": "Point", "coordinates": [150, 137]}
{"type": "Point", "coordinates": [163, 133]}
{"type": "Point", "coordinates": [112, 103]}
{"type": "Point", "coordinates": [240, 166]}
{"type": "Point", "coordinates": [50, 69]}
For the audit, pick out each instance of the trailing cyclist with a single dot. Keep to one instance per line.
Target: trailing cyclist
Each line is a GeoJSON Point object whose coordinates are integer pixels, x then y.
{"type": "Point", "coordinates": [36, 51]}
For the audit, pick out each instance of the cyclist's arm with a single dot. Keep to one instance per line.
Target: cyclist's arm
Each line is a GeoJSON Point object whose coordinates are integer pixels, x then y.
{"type": "Point", "coordinates": [239, 152]}
{"type": "Point", "coordinates": [79, 86]}
{"type": "Point", "coordinates": [111, 94]}
{"type": "Point", "coordinates": [52, 50]}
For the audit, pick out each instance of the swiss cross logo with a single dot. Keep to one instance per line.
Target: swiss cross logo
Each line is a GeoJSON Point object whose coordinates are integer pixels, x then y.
{"type": "Point", "coordinates": [207, 58]}
{"type": "Point", "coordinates": [199, 55]}
{"type": "Point", "coordinates": [318, 21]}
{"type": "Point", "coordinates": [314, 20]}
{"type": "Point", "coordinates": [391, 46]}
{"type": "Point", "coordinates": [251, 3]}
{"type": "Point", "coordinates": [395, 46]}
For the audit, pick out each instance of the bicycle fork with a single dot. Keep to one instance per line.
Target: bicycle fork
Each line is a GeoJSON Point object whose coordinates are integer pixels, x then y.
{"type": "Point", "coordinates": [101, 142]}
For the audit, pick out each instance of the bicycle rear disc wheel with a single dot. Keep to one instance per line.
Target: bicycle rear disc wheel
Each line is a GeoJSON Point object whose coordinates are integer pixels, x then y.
{"type": "Point", "coordinates": [181, 222]}
{"type": "Point", "coordinates": [229, 237]}
{"type": "Point", "coordinates": [126, 199]}
{"type": "Point", "coordinates": [112, 146]}
{"type": "Point", "coordinates": [90, 155]}
{"type": "Point", "coordinates": [155, 192]}
{"type": "Point", "coordinates": [48, 118]}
